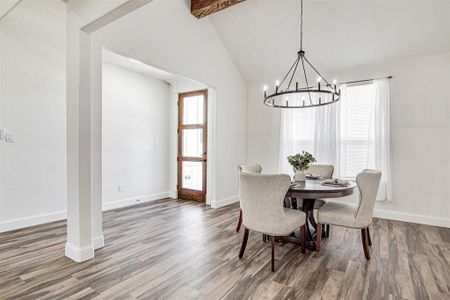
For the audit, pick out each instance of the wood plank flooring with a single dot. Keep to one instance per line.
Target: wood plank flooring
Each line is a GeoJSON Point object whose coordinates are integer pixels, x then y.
{"type": "Point", "coordinates": [173, 249]}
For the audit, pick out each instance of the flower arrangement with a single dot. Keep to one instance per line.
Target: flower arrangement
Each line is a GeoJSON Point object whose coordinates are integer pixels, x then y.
{"type": "Point", "coordinates": [300, 162]}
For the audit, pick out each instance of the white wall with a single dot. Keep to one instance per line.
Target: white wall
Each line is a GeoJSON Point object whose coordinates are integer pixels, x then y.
{"type": "Point", "coordinates": [164, 34]}
{"type": "Point", "coordinates": [32, 107]}
{"type": "Point", "coordinates": [420, 139]}
{"type": "Point", "coordinates": [135, 136]}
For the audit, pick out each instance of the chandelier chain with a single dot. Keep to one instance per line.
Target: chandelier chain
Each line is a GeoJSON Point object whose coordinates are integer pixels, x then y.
{"type": "Point", "coordinates": [301, 26]}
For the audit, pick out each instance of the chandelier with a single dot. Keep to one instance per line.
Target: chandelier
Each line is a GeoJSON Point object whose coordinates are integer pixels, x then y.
{"type": "Point", "coordinates": [290, 95]}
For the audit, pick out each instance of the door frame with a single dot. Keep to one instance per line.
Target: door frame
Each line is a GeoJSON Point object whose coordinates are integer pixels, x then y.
{"type": "Point", "coordinates": [189, 194]}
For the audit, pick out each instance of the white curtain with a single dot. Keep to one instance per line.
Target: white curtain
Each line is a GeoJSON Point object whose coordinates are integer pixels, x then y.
{"type": "Point", "coordinates": [382, 129]}
{"type": "Point", "coordinates": [310, 129]}
{"type": "Point", "coordinates": [352, 134]}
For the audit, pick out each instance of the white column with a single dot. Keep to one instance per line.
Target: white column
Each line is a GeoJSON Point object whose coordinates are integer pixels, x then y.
{"type": "Point", "coordinates": [84, 112]}
{"type": "Point", "coordinates": [79, 245]}
{"type": "Point", "coordinates": [96, 144]}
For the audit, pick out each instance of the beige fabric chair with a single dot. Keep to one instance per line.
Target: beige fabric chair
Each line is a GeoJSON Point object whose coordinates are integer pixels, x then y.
{"type": "Point", "coordinates": [353, 215]}
{"type": "Point", "coordinates": [262, 198]}
{"type": "Point", "coordinates": [324, 171]}
{"type": "Point", "coordinates": [252, 169]}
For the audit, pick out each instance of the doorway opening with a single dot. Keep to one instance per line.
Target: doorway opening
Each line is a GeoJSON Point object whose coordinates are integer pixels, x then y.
{"type": "Point", "coordinates": [157, 134]}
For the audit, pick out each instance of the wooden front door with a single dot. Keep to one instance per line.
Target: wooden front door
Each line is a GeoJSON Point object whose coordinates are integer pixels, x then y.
{"type": "Point", "coordinates": [192, 145]}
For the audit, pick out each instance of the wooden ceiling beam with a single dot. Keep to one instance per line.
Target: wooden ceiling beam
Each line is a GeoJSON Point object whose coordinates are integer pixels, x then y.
{"type": "Point", "coordinates": [203, 8]}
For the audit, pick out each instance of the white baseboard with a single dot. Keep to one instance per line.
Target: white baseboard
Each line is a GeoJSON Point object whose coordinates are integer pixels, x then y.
{"type": "Point", "coordinates": [79, 254]}
{"type": "Point", "coordinates": [173, 194]}
{"type": "Point", "coordinates": [32, 221]}
{"type": "Point", "coordinates": [378, 213]}
{"type": "Point", "coordinates": [412, 218]}
{"type": "Point", "coordinates": [134, 200]}
{"type": "Point", "coordinates": [98, 242]}
{"type": "Point", "coordinates": [62, 215]}
{"type": "Point", "coordinates": [225, 201]}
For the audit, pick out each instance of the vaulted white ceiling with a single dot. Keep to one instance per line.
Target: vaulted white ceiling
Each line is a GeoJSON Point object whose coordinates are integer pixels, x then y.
{"type": "Point", "coordinates": [262, 36]}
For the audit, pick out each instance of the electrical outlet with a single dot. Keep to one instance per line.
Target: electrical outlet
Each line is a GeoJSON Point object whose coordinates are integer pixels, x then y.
{"type": "Point", "coordinates": [138, 200]}
{"type": "Point", "coordinates": [10, 138]}
{"type": "Point", "coordinates": [120, 188]}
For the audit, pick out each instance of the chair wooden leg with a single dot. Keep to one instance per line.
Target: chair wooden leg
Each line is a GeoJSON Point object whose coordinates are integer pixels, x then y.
{"type": "Point", "coordinates": [318, 236]}
{"type": "Point", "coordinates": [273, 253]}
{"type": "Point", "coordinates": [244, 243]}
{"type": "Point", "coordinates": [238, 227]}
{"type": "Point", "coordinates": [365, 243]}
{"type": "Point", "coordinates": [287, 202]}
{"type": "Point", "coordinates": [327, 231]}
{"type": "Point", "coordinates": [369, 240]}
{"type": "Point", "coordinates": [303, 238]}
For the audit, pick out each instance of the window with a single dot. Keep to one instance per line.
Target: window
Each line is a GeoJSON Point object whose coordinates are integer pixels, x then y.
{"type": "Point", "coordinates": [357, 140]}
{"type": "Point", "coordinates": [352, 134]}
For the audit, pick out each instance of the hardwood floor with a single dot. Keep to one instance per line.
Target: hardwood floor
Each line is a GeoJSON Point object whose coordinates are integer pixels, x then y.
{"type": "Point", "coordinates": [172, 249]}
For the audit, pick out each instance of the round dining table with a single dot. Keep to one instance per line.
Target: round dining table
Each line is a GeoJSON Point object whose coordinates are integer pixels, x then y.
{"type": "Point", "coordinates": [309, 191]}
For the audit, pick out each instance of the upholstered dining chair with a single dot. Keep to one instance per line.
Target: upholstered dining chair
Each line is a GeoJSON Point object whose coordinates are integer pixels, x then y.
{"type": "Point", "coordinates": [262, 198]}
{"type": "Point", "coordinates": [357, 216]}
{"type": "Point", "coordinates": [325, 171]}
{"type": "Point", "coordinates": [253, 169]}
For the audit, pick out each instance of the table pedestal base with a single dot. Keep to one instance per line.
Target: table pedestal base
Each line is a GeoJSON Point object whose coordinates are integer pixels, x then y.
{"type": "Point", "coordinates": [311, 224]}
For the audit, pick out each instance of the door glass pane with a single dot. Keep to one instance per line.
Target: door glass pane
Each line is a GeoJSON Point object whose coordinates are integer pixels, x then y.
{"type": "Point", "coordinates": [192, 175]}
{"type": "Point", "coordinates": [193, 142]}
{"type": "Point", "coordinates": [193, 110]}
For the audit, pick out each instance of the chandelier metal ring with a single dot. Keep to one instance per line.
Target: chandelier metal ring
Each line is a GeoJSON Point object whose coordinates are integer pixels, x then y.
{"type": "Point", "coordinates": [301, 97]}
{"type": "Point", "coordinates": [271, 101]}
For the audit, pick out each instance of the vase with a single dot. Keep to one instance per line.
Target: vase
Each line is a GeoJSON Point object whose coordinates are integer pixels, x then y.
{"type": "Point", "coordinates": [299, 175]}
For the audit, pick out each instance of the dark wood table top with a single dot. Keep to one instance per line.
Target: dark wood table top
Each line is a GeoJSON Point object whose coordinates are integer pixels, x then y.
{"type": "Point", "coordinates": [313, 189]}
